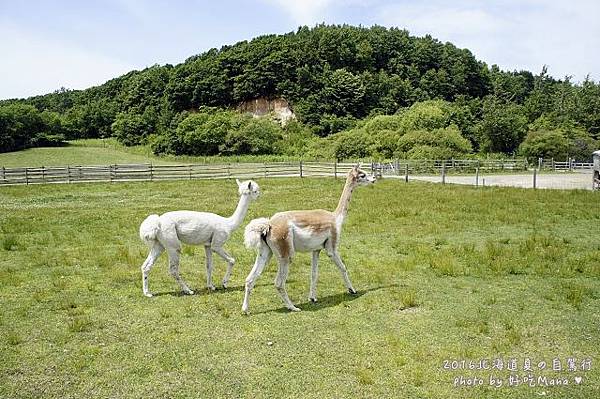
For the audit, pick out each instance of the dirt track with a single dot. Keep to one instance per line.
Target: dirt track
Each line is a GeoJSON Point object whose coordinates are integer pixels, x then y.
{"type": "Point", "coordinates": [563, 181]}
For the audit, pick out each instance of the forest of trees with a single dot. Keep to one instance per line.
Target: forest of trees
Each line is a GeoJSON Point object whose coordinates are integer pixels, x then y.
{"type": "Point", "coordinates": [355, 91]}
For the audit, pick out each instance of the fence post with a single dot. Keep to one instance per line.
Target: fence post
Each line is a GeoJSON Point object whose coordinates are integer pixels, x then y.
{"type": "Point", "coordinates": [265, 168]}
{"type": "Point", "coordinates": [534, 178]}
{"type": "Point", "coordinates": [26, 176]}
{"type": "Point", "coordinates": [335, 169]}
{"type": "Point", "coordinates": [476, 177]}
{"type": "Point", "coordinates": [443, 172]}
{"type": "Point", "coordinates": [540, 163]}
{"type": "Point", "coordinates": [3, 174]}
{"type": "Point", "coordinates": [68, 174]}
{"type": "Point", "coordinates": [406, 173]}
{"type": "Point", "coordinates": [553, 165]}
{"type": "Point", "coordinates": [43, 174]}
{"type": "Point", "coordinates": [301, 176]}
{"type": "Point", "coordinates": [151, 172]}
{"type": "Point", "coordinates": [110, 172]}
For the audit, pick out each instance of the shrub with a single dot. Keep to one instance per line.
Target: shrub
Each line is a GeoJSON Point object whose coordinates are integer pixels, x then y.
{"type": "Point", "coordinates": [438, 143]}
{"type": "Point", "coordinates": [351, 144]}
{"type": "Point", "coordinates": [131, 129]}
{"type": "Point", "coordinates": [254, 136]}
{"type": "Point", "coordinates": [383, 123]}
{"type": "Point", "coordinates": [426, 115]}
{"type": "Point", "coordinates": [545, 144]}
{"type": "Point", "coordinates": [203, 133]}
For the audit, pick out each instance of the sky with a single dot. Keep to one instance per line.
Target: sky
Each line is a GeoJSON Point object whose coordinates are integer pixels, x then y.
{"type": "Point", "coordinates": [46, 45]}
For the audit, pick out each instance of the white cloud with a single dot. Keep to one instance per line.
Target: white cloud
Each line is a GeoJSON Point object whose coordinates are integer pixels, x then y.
{"type": "Point", "coordinates": [34, 65]}
{"type": "Point", "coordinates": [304, 12]}
{"type": "Point", "coordinates": [525, 34]}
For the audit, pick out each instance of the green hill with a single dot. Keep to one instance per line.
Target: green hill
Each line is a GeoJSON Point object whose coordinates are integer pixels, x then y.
{"type": "Point", "coordinates": [335, 78]}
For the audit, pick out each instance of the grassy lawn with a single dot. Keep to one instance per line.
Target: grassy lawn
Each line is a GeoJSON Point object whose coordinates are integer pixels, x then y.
{"type": "Point", "coordinates": [109, 151]}
{"type": "Point", "coordinates": [443, 273]}
{"type": "Point", "coordinates": [79, 152]}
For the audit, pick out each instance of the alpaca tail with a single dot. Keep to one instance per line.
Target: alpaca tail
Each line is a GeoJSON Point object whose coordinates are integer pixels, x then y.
{"type": "Point", "coordinates": [149, 229]}
{"type": "Point", "coordinates": [256, 231]}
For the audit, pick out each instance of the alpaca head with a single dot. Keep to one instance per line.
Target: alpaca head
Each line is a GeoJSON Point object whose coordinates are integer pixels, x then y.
{"type": "Point", "coordinates": [248, 187]}
{"type": "Point", "coordinates": [358, 177]}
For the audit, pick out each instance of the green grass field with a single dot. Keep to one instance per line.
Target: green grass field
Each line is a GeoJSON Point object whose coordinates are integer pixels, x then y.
{"type": "Point", "coordinates": [443, 272]}
{"type": "Point", "coordinates": [109, 151]}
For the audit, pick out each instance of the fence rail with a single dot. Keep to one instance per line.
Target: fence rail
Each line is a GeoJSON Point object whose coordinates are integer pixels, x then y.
{"type": "Point", "coordinates": [568, 165]}
{"type": "Point", "coordinates": [151, 172]}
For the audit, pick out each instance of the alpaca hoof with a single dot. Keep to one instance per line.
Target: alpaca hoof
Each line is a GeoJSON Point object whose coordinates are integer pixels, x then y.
{"type": "Point", "coordinates": [245, 311]}
{"type": "Point", "coordinates": [225, 284]}
{"type": "Point", "coordinates": [189, 292]}
{"type": "Point", "coordinates": [313, 300]}
{"type": "Point", "coordinates": [295, 309]}
{"type": "Point", "coordinates": [352, 291]}
{"type": "Point", "coordinates": [211, 288]}
{"type": "Point", "coordinates": [148, 294]}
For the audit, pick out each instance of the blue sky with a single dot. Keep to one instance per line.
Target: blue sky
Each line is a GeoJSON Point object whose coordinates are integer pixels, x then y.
{"type": "Point", "coordinates": [46, 45]}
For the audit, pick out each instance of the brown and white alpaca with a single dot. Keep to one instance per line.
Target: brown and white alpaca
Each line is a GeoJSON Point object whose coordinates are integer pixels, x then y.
{"type": "Point", "coordinates": [300, 231]}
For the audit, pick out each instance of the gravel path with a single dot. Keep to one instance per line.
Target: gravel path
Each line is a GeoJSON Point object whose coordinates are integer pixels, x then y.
{"type": "Point", "coordinates": [563, 181]}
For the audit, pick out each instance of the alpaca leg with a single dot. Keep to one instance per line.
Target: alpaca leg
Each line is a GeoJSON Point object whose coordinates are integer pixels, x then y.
{"type": "Point", "coordinates": [155, 252]}
{"type": "Point", "coordinates": [230, 262]}
{"type": "Point", "coordinates": [174, 254]}
{"type": "Point", "coordinates": [209, 268]}
{"type": "Point", "coordinates": [335, 257]}
{"type": "Point", "coordinates": [280, 279]}
{"type": "Point", "coordinates": [312, 296]}
{"type": "Point", "coordinates": [262, 259]}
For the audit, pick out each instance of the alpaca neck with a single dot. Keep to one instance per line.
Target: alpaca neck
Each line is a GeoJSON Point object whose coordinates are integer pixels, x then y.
{"type": "Point", "coordinates": [342, 209]}
{"type": "Point", "coordinates": [240, 212]}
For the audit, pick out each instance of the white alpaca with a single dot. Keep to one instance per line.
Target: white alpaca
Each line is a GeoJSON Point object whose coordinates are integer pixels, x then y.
{"type": "Point", "coordinates": [300, 231]}
{"type": "Point", "coordinates": [171, 229]}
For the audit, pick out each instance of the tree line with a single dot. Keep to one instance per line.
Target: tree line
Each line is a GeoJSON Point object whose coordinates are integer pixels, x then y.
{"type": "Point", "coordinates": [355, 91]}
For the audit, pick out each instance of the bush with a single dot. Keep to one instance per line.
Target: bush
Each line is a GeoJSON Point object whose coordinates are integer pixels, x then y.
{"type": "Point", "coordinates": [131, 129]}
{"type": "Point", "coordinates": [426, 115]}
{"type": "Point", "coordinates": [384, 144]}
{"type": "Point", "coordinates": [384, 123]}
{"type": "Point", "coordinates": [255, 136]}
{"type": "Point", "coordinates": [429, 152]}
{"type": "Point", "coordinates": [351, 144]}
{"type": "Point", "coordinates": [419, 143]}
{"type": "Point", "coordinates": [558, 143]}
{"type": "Point", "coordinates": [22, 126]}
{"type": "Point", "coordinates": [545, 144]}
{"type": "Point", "coordinates": [503, 126]}
{"type": "Point", "coordinates": [203, 133]}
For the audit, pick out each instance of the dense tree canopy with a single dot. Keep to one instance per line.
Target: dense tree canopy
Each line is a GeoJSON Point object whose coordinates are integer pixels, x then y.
{"type": "Point", "coordinates": [336, 79]}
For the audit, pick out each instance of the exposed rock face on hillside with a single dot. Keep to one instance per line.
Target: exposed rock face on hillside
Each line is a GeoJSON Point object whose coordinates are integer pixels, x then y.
{"type": "Point", "coordinates": [262, 106]}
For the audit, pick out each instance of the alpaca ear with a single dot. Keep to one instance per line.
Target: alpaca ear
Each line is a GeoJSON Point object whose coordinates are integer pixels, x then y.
{"type": "Point", "coordinates": [238, 182]}
{"type": "Point", "coordinates": [249, 185]}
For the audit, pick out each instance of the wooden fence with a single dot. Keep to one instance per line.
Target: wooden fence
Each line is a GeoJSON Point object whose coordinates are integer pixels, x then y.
{"type": "Point", "coordinates": [151, 172]}
{"type": "Point", "coordinates": [568, 165]}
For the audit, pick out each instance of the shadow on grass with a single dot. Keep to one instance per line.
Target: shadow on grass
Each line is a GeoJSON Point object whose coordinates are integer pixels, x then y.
{"type": "Point", "coordinates": [328, 301]}
{"type": "Point", "coordinates": [206, 291]}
